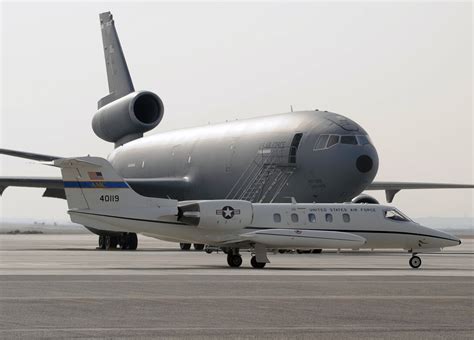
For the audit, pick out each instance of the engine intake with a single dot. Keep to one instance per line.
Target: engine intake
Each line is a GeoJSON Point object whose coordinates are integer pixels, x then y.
{"type": "Point", "coordinates": [224, 214]}
{"type": "Point", "coordinates": [127, 118]}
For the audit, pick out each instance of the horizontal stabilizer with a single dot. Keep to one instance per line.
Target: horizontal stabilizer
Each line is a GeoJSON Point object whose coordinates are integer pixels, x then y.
{"type": "Point", "coordinates": [297, 238]}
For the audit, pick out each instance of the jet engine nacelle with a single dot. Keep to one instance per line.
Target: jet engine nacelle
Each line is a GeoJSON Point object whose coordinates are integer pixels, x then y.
{"type": "Point", "coordinates": [127, 118]}
{"type": "Point", "coordinates": [224, 214]}
{"type": "Point", "coordinates": [365, 199]}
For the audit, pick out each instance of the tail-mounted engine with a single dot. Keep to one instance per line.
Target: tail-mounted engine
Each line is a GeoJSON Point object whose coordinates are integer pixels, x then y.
{"type": "Point", "coordinates": [127, 118]}
{"type": "Point", "coordinates": [224, 214]}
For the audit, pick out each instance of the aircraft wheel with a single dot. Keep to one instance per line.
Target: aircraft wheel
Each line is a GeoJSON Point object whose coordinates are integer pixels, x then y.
{"type": "Point", "coordinates": [185, 246]}
{"type": "Point", "coordinates": [207, 250]}
{"type": "Point", "coordinates": [198, 246]}
{"type": "Point", "coordinates": [234, 261]}
{"type": "Point", "coordinates": [107, 242]}
{"type": "Point", "coordinates": [415, 262]}
{"type": "Point", "coordinates": [132, 241]}
{"type": "Point", "coordinates": [102, 242]}
{"type": "Point", "coordinates": [255, 264]}
{"type": "Point", "coordinates": [316, 251]}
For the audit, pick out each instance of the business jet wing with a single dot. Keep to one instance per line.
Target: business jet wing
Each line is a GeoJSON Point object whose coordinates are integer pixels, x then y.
{"type": "Point", "coordinates": [392, 188]}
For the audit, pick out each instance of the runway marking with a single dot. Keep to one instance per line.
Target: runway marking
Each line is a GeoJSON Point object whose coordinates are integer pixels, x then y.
{"type": "Point", "coordinates": [266, 280]}
{"type": "Point", "coordinates": [248, 297]}
{"type": "Point", "coordinates": [247, 328]}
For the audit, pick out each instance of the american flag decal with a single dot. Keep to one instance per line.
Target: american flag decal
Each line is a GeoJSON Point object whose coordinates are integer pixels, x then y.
{"type": "Point", "coordinates": [96, 176]}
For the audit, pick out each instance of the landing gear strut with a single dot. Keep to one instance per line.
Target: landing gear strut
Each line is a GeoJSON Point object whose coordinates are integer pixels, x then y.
{"type": "Point", "coordinates": [415, 262]}
{"type": "Point", "coordinates": [234, 259]}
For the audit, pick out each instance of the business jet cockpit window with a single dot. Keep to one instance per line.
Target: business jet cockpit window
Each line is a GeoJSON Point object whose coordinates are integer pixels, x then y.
{"type": "Point", "coordinates": [395, 215]}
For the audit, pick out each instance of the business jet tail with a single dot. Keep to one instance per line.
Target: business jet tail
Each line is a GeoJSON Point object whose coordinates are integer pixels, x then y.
{"type": "Point", "coordinates": [91, 183]}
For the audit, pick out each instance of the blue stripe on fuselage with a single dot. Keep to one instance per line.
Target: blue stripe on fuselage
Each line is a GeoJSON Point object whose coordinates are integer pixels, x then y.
{"type": "Point", "coordinates": [95, 185]}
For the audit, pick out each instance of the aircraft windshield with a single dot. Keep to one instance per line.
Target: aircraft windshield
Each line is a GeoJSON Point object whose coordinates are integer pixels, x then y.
{"type": "Point", "coordinates": [395, 215]}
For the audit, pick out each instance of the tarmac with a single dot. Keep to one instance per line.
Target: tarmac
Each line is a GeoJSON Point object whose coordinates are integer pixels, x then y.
{"type": "Point", "coordinates": [60, 286]}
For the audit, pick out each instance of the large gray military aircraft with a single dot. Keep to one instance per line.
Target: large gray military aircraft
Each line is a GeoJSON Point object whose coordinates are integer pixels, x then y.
{"type": "Point", "coordinates": [313, 156]}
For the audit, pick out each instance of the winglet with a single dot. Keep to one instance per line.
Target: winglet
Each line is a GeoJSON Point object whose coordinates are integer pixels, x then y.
{"type": "Point", "coordinates": [118, 76]}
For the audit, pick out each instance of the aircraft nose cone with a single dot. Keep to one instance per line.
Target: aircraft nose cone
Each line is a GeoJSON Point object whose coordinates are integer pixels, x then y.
{"type": "Point", "coordinates": [364, 163]}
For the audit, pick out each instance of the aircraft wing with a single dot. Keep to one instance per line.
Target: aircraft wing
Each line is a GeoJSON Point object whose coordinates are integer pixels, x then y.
{"type": "Point", "coordinates": [392, 188]}
{"type": "Point", "coordinates": [300, 238]}
{"type": "Point", "coordinates": [55, 188]}
{"type": "Point", "coordinates": [28, 155]}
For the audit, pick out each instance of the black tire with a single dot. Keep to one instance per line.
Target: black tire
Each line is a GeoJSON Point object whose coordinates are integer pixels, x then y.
{"type": "Point", "coordinates": [316, 251]}
{"type": "Point", "coordinates": [102, 242]}
{"type": "Point", "coordinates": [255, 264]}
{"type": "Point", "coordinates": [198, 246]}
{"type": "Point", "coordinates": [234, 261]}
{"type": "Point", "coordinates": [124, 241]}
{"type": "Point", "coordinates": [185, 246]}
{"type": "Point", "coordinates": [114, 241]}
{"type": "Point", "coordinates": [107, 242]}
{"type": "Point", "coordinates": [132, 241]}
{"type": "Point", "coordinates": [209, 251]}
{"type": "Point", "coordinates": [415, 262]}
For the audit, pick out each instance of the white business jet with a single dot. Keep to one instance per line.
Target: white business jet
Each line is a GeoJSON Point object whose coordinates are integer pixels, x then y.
{"type": "Point", "coordinates": [97, 195]}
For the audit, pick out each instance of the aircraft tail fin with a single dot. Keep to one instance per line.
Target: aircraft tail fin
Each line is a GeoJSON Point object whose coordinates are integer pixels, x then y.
{"type": "Point", "coordinates": [91, 183]}
{"type": "Point", "coordinates": [120, 82]}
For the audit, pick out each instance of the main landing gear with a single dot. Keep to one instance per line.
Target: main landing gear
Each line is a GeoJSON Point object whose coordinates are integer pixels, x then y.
{"type": "Point", "coordinates": [255, 264]}
{"type": "Point", "coordinates": [234, 259]}
{"type": "Point", "coordinates": [126, 241]}
{"type": "Point", "coordinates": [415, 262]}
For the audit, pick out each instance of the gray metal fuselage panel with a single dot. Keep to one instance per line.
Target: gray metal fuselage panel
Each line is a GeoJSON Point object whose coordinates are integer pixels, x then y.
{"type": "Point", "coordinates": [250, 159]}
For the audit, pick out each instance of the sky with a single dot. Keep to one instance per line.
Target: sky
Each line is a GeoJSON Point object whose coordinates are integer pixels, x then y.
{"type": "Point", "coordinates": [402, 70]}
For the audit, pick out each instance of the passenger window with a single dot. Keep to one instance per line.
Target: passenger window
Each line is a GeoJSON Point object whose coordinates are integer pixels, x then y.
{"type": "Point", "coordinates": [329, 218]}
{"type": "Point", "coordinates": [276, 218]}
{"type": "Point", "coordinates": [363, 140]}
{"type": "Point", "coordinates": [346, 218]}
{"type": "Point", "coordinates": [334, 139]}
{"type": "Point", "coordinates": [321, 143]}
{"type": "Point", "coordinates": [395, 215]}
{"type": "Point", "coordinates": [294, 218]}
{"type": "Point", "coordinates": [348, 140]}
{"type": "Point", "coordinates": [312, 218]}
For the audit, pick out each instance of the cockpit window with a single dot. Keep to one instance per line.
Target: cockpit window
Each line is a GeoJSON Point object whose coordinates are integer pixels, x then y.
{"type": "Point", "coordinates": [349, 140]}
{"type": "Point", "coordinates": [321, 143]}
{"type": "Point", "coordinates": [363, 140]}
{"type": "Point", "coordinates": [395, 215]}
{"type": "Point", "coordinates": [334, 139]}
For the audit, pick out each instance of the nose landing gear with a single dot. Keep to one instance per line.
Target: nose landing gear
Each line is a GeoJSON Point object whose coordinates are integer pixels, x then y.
{"type": "Point", "coordinates": [415, 262]}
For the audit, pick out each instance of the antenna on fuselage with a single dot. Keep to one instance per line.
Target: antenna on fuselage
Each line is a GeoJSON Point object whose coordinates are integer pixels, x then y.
{"type": "Point", "coordinates": [291, 108]}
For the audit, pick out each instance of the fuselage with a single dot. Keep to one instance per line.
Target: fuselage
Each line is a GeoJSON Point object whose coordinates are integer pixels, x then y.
{"type": "Point", "coordinates": [380, 227]}
{"type": "Point", "coordinates": [314, 156]}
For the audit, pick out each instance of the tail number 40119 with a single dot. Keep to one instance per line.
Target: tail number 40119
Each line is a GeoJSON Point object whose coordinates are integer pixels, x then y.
{"type": "Point", "coordinates": [109, 198]}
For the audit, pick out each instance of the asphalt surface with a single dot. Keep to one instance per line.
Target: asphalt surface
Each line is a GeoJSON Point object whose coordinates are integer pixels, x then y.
{"type": "Point", "coordinates": [60, 287]}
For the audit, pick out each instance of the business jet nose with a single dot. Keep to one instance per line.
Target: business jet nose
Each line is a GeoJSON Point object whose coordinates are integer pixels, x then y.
{"type": "Point", "coordinates": [450, 240]}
